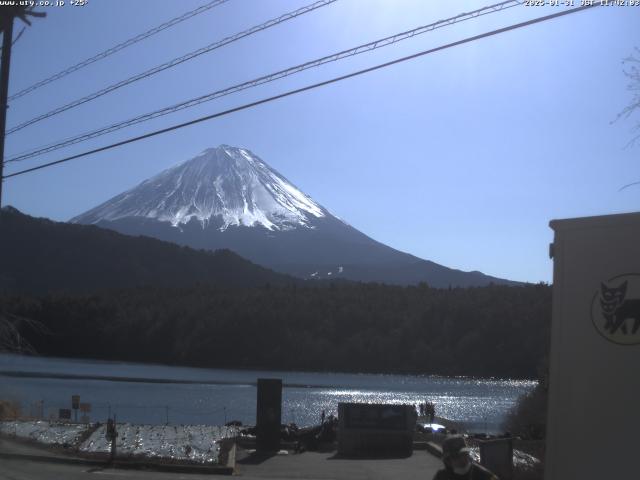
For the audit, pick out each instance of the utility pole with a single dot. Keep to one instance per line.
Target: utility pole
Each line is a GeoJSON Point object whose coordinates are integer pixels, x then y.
{"type": "Point", "coordinates": [7, 40]}
{"type": "Point", "coordinates": [7, 15]}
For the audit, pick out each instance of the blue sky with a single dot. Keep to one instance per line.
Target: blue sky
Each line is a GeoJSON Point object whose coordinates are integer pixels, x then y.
{"type": "Point", "coordinates": [461, 157]}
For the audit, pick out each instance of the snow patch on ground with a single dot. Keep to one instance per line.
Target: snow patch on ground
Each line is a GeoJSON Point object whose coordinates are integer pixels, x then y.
{"type": "Point", "coordinates": [520, 458]}
{"type": "Point", "coordinates": [193, 443]}
{"type": "Point", "coordinates": [47, 433]}
{"type": "Point", "coordinates": [196, 443]}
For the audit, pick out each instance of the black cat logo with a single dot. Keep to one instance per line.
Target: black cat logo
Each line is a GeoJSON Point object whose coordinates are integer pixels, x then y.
{"type": "Point", "coordinates": [615, 309]}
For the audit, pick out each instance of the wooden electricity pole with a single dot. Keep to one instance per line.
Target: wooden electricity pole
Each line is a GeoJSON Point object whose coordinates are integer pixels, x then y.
{"type": "Point", "coordinates": [7, 15]}
{"type": "Point", "coordinates": [7, 40]}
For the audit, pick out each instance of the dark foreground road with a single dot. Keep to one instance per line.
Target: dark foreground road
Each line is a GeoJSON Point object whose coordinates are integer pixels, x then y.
{"type": "Point", "coordinates": [28, 470]}
{"type": "Point", "coordinates": [306, 466]}
{"type": "Point", "coordinates": [16, 465]}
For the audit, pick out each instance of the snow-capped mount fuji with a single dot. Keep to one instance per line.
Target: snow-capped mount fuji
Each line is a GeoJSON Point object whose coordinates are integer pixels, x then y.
{"type": "Point", "coordinates": [227, 197]}
{"type": "Point", "coordinates": [225, 185]}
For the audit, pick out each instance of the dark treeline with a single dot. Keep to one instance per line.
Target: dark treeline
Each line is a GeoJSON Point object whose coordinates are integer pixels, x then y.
{"type": "Point", "coordinates": [492, 331]}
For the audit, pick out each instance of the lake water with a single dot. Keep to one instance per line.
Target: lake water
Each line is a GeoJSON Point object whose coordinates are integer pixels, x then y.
{"type": "Point", "coordinates": [216, 396]}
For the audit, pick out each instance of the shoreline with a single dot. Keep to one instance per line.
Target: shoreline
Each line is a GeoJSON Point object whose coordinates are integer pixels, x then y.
{"type": "Point", "coordinates": [272, 369]}
{"type": "Point", "coordinates": [112, 378]}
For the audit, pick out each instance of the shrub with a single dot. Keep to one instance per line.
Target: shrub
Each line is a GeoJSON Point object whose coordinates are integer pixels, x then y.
{"type": "Point", "coordinates": [528, 418]}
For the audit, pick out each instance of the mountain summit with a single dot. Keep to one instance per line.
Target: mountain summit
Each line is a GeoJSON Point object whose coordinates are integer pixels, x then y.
{"type": "Point", "coordinates": [226, 185]}
{"type": "Point", "coordinates": [228, 197]}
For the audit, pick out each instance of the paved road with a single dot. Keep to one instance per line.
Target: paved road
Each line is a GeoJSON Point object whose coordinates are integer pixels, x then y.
{"type": "Point", "coordinates": [307, 466]}
{"type": "Point", "coordinates": [28, 470]}
{"type": "Point", "coordinates": [324, 466]}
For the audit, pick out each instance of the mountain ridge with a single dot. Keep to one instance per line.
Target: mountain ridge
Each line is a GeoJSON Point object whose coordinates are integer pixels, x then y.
{"type": "Point", "coordinates": [49, 256]}
{"type": "Point", "coordinates": [228, 197]}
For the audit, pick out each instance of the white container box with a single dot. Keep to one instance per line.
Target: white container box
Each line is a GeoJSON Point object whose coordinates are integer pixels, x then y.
{"type": "Point", "coordinates": [593, 424]}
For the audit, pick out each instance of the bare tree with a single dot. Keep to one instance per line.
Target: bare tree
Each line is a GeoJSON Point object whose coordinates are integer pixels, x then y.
{"type": "Point", "coordinates": [631, 70]}
{"type": "Point", "coordinates": [11, 340]}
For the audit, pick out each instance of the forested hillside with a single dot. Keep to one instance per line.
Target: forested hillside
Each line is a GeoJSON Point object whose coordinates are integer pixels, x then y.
{"type": "Point", "coordinates": [486, 331]}
{"type": "Point", "coordinates": [42, 256]}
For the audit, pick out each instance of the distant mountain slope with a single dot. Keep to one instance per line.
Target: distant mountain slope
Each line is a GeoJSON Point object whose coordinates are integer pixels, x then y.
{"type": "Point", "coordinates": [228, 197]}
{"type": "Point", "coordinates": [38, 255]}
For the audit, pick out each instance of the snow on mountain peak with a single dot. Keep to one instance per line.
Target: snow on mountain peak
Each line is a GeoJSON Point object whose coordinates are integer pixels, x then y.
{"type": "Point", "coordinates": [229, 184]}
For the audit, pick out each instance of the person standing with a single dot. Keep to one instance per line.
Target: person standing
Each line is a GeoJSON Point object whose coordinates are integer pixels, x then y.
{"type": "Point", "coordinates": [112, 434]}
{"type": "Point", "coordinates": [432, 411]}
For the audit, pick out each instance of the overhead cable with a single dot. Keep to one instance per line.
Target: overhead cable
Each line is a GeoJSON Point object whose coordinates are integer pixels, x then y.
{"type": "Point", "coordinates": [267, 79]}
{"type": "Point", "coordinates": [303, 89]}
{"type": "Point", "coordinates": [117, 48]}
{"type": "Point", "coordinates": [172, 63]}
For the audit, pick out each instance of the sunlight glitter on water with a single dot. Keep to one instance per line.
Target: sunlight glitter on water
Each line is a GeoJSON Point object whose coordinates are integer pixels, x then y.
{"type": "Point", "coordinates": [479, 412]}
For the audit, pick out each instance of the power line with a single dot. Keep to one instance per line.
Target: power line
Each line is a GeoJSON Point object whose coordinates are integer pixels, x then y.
{"type": "Point", "coordinates": [174, 62]}
{"type": "Point", "coordinates": [117, 48]}
{"type": "Point", "coordinates": [267, 78]}
{"type": "Point", "coordinates": [304, 89]}
{"type": "Point", "coordinates": [18, 36]}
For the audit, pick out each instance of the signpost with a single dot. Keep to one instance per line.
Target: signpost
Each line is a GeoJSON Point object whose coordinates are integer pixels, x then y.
{"type": "Point", "coordinates": [375, 429]}
{"type": "Point", "coordinates": [85, 408]}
